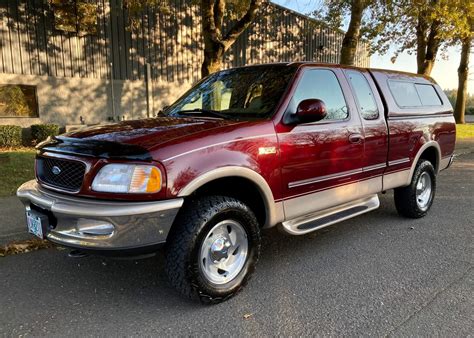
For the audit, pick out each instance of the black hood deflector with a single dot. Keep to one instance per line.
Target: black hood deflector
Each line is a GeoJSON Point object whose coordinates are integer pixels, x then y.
{"type": "Point", "coordinates": [94, 148]}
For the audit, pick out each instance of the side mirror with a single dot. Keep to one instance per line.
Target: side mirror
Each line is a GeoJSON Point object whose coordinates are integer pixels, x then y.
{"type": "Point", "coordinates": [311, 110]}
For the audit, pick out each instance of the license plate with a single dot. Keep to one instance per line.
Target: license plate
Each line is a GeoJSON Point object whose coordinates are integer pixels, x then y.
{"type": "Point", "coordinates": [36, 223]}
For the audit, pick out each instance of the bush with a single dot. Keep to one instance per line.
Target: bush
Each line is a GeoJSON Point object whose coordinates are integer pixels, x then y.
{"type": "Point", "coordinates": [40, 132]}
{"type": "Point", "coordinates": [10, 136]}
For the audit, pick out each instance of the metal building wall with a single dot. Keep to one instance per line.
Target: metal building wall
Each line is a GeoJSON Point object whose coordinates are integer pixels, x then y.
{"type": "Point", "coordinates": [33, 51]}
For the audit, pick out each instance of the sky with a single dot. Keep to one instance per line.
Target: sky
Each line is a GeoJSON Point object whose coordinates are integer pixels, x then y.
{"type": "Point", "coordinates": [444, 71]}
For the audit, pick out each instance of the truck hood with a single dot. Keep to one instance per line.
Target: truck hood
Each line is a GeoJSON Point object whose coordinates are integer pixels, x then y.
{"type": "Point", "coordinates": [130, 139]}
{"type": "Point", "coordinates": [149, 133]}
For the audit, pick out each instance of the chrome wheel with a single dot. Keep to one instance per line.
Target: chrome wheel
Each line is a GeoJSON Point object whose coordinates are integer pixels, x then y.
{"type": "Point", "coordinates": [423, 190]}
{"type": "Point", "coordinates": [224, 252]}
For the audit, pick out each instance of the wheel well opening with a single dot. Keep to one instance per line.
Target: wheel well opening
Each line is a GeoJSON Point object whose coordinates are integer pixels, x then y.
{"type": "Point", "coordinates": [431, 154]}
{"type": "Point", "coordinates": [239, 188]}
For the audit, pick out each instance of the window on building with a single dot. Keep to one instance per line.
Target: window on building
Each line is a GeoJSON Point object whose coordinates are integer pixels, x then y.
{"type": "Point", "coordinates": [322, 84]}
{"type": "Point", "coordinates": [405, 93]}
{"type": "Point", "coordinates": [428, 95]}
{"type": "Point", "coordinates": [18, 101]}
{"type": "Point", "coordinates": [75, 16]}
{"type": "Point", "coordinates": [364, 95]}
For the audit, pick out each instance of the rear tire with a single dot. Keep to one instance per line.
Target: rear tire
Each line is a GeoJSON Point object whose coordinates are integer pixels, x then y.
{"type": "Point", "coordinates": [414, 200]}
{"type": "Point", "coordinates": [213, 248]}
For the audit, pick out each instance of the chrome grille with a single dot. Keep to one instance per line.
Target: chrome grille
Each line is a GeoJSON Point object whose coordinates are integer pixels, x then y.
{"type": "Point", "coordinates": [60, 173]}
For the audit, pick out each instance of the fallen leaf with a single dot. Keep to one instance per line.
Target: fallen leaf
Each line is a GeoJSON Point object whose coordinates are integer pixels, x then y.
{"type": "Point", "coordinates": [17, 247]}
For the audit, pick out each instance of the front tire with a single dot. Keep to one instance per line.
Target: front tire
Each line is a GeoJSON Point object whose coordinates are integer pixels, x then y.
{"type": "Point", "coordinates": [213, 248]}
{"type": "Point", "coordinates": [414, 200]}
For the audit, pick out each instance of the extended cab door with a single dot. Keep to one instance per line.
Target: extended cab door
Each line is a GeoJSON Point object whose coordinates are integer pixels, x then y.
{"type": "Point", "coordinates": [321, 162]}
{"type": "Point", "coordinates": [370, 107]}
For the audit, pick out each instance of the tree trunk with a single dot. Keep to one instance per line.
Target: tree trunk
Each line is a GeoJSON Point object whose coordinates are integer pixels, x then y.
{"type": "Point", "coordinates": [352, 36]}
{"type": "Point", "coordinates": [425, 67]}
{"type": "Point", "coordinates": [215, 42]}
{"type": "Point", "coordinates": [213, 58]}
{"type": "Point", "coordinates": [426, 64]}
{"type": "Point", "coordinates": [427, 46]}
{"type": "Point", "coordinates": [463, 74]}
{"type": "Point", "coordinates": [420, 42]}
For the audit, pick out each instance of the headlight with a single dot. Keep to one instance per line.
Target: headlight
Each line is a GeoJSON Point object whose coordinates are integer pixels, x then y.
{"type": "Point", "coordinates": [128, 178]}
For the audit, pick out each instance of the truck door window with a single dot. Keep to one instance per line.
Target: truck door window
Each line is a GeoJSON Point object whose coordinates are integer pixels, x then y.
{"type": "Point", "coordinates": [322, 84]}
{"type": "Point", "coordinates": [364, 95]}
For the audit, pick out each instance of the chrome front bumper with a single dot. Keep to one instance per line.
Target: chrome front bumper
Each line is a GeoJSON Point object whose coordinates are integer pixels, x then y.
{"type": "Point", "coordinates": [101, 225]}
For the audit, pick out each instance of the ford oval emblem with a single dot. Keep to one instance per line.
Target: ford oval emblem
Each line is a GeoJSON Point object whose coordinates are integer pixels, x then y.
{"type": "Point", "coordinates": [55, 170]}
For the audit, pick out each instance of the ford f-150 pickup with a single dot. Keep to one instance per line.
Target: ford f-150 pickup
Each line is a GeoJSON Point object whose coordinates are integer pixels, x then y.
{"type": "Point", "coordinates": [299, 146]}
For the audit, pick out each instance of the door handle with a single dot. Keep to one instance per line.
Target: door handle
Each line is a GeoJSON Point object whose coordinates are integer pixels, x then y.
{"type": "Point", "coordinates": [355, 138]}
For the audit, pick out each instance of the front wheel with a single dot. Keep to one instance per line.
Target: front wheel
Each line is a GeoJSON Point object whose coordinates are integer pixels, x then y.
{"type": "Point", "coordinates": [213, 248]}
{"type": "Point", "coordinates": [415, 200]}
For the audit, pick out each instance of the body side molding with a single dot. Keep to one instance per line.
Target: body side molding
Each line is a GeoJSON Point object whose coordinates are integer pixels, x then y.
{"type": "Point", "coordinates": [402, 178]}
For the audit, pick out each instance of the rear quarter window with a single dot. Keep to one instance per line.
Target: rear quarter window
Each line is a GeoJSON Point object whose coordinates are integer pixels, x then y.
{"type": "Point", "coordinates": [412, 95]}
{"type": "Point", "coordinates": [405, 94]}
{"type": "Point", "coordinates": [428, 95]}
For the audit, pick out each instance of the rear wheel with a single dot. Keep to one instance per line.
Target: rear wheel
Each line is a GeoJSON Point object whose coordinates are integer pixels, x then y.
{"type": "Point", "coordinates": [415, 200]}
{"type": "Point", "coordinates": [213, 248]}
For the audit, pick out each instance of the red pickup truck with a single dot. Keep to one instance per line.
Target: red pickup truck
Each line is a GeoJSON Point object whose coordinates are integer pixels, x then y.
{"type": "Point", "coordinates": [296, 145]}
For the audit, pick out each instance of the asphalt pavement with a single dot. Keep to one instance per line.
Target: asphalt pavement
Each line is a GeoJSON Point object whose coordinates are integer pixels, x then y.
{"type": "Point", "coordinates": [377, 274]}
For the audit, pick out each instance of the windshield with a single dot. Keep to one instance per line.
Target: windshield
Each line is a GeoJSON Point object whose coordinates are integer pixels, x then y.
{"type": "Point", "coordinates": [240, 93]}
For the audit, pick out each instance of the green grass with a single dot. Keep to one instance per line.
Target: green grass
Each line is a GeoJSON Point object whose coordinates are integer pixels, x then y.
{"type": "Point", "coordinates": [16, 167]}
{"type": "Point", "coordinates": [465, 131]}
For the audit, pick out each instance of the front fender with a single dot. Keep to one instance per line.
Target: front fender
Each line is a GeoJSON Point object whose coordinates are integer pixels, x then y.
{"type": "Point", "coordinates": [274, 210]}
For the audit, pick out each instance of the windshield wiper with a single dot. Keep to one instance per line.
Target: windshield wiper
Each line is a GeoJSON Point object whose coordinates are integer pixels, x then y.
{"type": "Point", "coordinates": [205, 111]}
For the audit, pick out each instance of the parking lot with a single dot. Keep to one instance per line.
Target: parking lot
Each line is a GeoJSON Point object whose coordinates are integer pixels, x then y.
{"type": "Point", "coordinates": [377, 274]}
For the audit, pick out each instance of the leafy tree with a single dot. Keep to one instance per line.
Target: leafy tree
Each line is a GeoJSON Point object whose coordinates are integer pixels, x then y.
{"type": "Point", "coordinates": [364, 15]}
{"type": "Point", "coordinates": [424, 27]}
{"type": "Point", "coordinates": [135, 8]}
{"type": "Point", "coordinates": [464, 32]}
{"type": "Point", "coordinates": [222, 23]}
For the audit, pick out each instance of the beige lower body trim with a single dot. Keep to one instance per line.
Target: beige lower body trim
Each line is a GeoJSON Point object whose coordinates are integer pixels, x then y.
{"type": "Point", "coordinates": [302, 205]}
{"type": "Point", "coordinates": [293, 226]}
{"type": "Point", "coordinates": [276, 216]}
{"type": "Point", "coordinates": [445, 162]}
{"type": "Point", "coordinates": [396, 179]}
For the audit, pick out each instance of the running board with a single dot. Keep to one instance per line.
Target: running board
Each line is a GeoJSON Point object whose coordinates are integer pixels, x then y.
{"type": "Point", "coordinates": [317, 220]}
